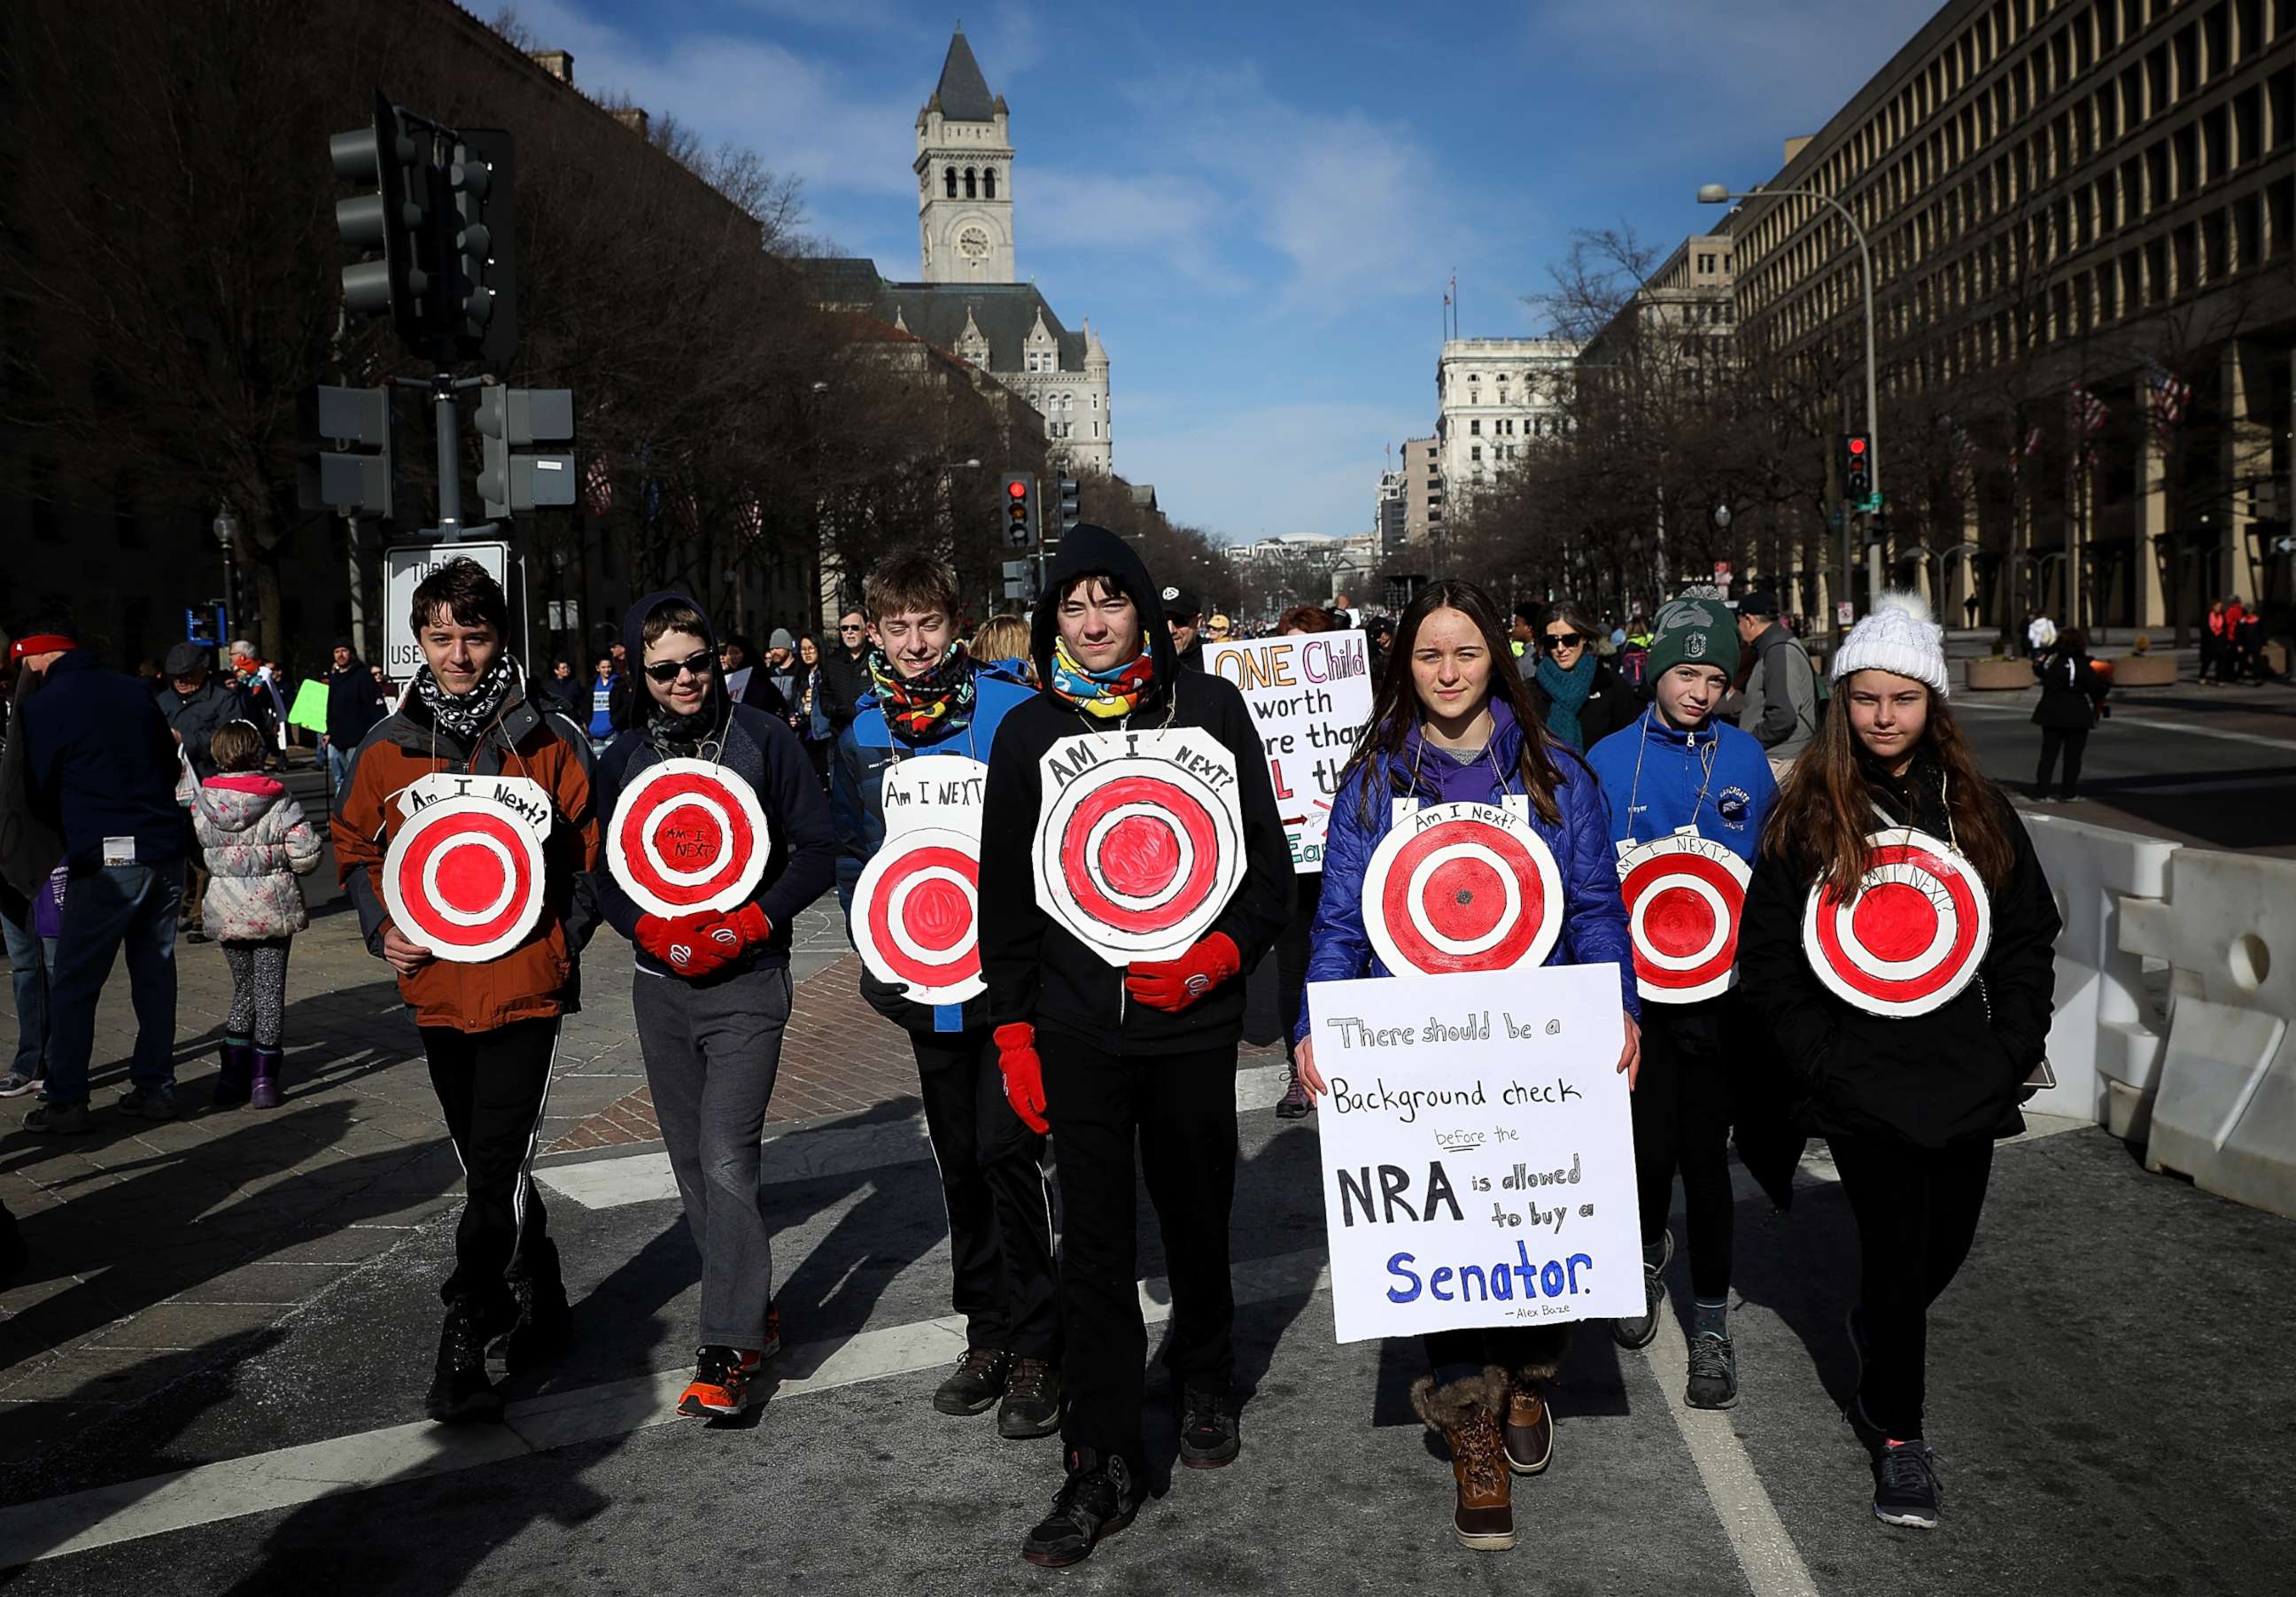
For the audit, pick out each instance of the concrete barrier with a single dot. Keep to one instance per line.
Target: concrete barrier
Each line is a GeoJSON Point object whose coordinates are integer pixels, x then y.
{"type": "Point", "coordinates": [2102, 1046]}
{"type": "Point", "coordinates": [1998, 675]}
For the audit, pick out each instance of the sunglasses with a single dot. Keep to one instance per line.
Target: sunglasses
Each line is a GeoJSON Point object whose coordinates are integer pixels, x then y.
{"type": "Point", "coordinates": [667, 671]}
{"type": "Point", "coordinates": [1565, 640]}
{"type": "Point", "coordinates": [842, 626]}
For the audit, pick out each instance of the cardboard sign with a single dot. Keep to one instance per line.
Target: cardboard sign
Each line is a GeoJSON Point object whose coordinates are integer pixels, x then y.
{"type": "Point", "coordinates": [688, 837]}
{"type": "Point", "coordinates": [1912, 936]}
{"type": "Point", "coordinates": [1478, 1151]}
{"type": "Point", "coordinates": [1139, 839]}
{"type": "Point", "coordinates": [1685, 896]}
{"type": "Point", "coordinates": [1461, 887]}
{"type": "Point", "coordinates": [916, 909]}
{"type": "Point", "coordinates": [464, 875]}
{"type": "Point", "coordinates": [941, 790]}
{"type": "Point", "coordinates": [1310, 696]}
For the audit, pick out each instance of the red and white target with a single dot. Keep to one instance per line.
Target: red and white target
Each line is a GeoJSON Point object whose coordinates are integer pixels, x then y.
{"type": "Point", "coordinates": [688, 837]}
{"type": "Point", "coordinates": [464, 878]}
{"type": "Point", "coordinates": [1138, 852]}
{"type": "Point", "coordinates": [1683, 898]}
{"type": "Point", "coordinates": [916, 914]}
{"type": "Point", "coordinates": [1912, 936]}
{"type": "Point", "coordinates": [1461, 887]}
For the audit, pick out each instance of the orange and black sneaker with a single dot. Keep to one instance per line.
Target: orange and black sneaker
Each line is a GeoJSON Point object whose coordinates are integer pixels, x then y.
{"type": "Point", "coordinates": [721, 1382]}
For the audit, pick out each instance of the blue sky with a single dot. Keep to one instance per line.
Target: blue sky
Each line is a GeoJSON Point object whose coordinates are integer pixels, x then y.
{"type": "Point", "coordinates": [1259, 205]}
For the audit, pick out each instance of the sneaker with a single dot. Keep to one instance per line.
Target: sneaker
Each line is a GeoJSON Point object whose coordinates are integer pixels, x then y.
{"type": "Point", "coordinates": [1032, 1400]}
{"type": "Point", "coordinates": [17, 1084]}
{"type": "Point", "coordinates": [1295, 1104]}
{"type": "Point", "coordinates": [58, 1117]}
{"type": "Point", "coordinates": [1905, 1490]}
{"type": "Point", "coordinates": [721, 1382]}
{"type": "Point", "coordinates": [1210, 1435]}
{"type": "Point", "coordinates": [460, 1390]}
{"type": "Point", "coordinates": [976, 1383]}
{"type": "Point", "coordinates": [1642, 1331]}
{"type": "Point", "coordinates": [151, 1103]}
{"type": "Point", "coordinates": [1713, 1374]}
{"type": "Point", "coordinates": [1097, 1500]}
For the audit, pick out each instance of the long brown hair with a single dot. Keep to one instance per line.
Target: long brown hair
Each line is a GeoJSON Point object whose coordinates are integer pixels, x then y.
{"type": "Point", "coordinates": [1395, 705]}
{"type": "Point", "coordinates": [1825, 810]}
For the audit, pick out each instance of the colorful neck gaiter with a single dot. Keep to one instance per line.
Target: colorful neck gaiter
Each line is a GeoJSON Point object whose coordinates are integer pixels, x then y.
{"type": "Point", "coordinates": [1104, 695]}
{"type": "Point", "coordinates": [923, 708]}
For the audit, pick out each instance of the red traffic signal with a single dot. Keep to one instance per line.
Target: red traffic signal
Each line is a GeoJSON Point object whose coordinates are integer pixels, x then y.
{"type": "Point", "coordinates": [1857, 465]}
{"type": "Point", "coordinates": [1856, 445]}
{"type": "Point", "coordinates": [1017, 489]}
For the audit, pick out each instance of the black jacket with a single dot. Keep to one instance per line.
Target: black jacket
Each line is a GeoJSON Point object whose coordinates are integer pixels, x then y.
{"type": "Point", "coordinates": [2070, 691]}
{"type": "Point", "coordinates": [844, 679]}
{"type": "Point", "coordinates": [1611, 705]}
{"type": "Point", "coordinates": [196, 717]}
{"type": "Point", "coordinates": [1952, 1076]}
{"type": "Point", "coordinates": [98, 762]}
{"type": "Point", "coordinates": [1036, 971]}
{"type": "Point", "coordinates": [353, 704]}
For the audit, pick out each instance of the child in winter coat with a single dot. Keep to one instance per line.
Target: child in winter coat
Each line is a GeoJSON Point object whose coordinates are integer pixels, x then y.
{"type": "Point", "coordinates": [257, 843]}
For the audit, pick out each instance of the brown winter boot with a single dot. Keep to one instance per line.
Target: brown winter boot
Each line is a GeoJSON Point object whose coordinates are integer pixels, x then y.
{"type": "Point", "coordinates": [1467, 1412]}
{"type": "Point", "coordinates": [1529, 1429]}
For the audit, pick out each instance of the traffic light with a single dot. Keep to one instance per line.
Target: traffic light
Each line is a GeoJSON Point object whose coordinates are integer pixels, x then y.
{"type": "Point", "coordinates": [1020, 580]}
{"type": "Point", "coordinates": [510, 419]}
{"type": "Point", "coordinates": [1019, 512]}
{"type": "Point", "coordinates": [391, 227]}
{"type": "Point", "coordinates": [1856, 466]}
{"type": "Point", "coordinates": [482, 280]}
{"type": "Point", "coordinates": [1071, 507]}
{"type": "Point", "coordinates": [346, 463]}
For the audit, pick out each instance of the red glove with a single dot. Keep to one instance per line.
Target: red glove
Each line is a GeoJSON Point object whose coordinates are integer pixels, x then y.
{"type": "Point", "coordinates": [1172, 984]}
{"type": "Point", "coordinates": [693, 946]}
{"type": "Point", "coordinates": [750, 924]}
{"type": "Point", "coordinates": [1024, 1074]}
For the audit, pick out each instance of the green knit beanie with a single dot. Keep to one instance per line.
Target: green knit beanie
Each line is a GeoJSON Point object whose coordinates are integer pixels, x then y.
{"type": "Point", "coordinates": [1694, 631]}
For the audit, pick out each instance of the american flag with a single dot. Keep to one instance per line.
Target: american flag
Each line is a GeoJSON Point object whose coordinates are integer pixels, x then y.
{"type": "Point", "coordinates": [753, 519]}
{"type": "Point", "coordinates": [598, 487]}
{"type": "Point", "coordinates": [2171, 394]}
{"type": "Point", "coordinates": [2085, 416]}
{"type": "Point", "coordinates": [2028, 447]}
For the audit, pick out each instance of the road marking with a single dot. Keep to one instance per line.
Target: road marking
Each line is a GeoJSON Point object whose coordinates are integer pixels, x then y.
{"type": "Point", "coordinates": [2146, 724]}
{"type": "Point", "coordinates": [267, 1482]}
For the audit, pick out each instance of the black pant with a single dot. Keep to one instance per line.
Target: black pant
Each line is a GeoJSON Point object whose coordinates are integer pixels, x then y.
{"type": "Point", "coordinates": [1292, 952]}
{"type": "Point", "coordinates": [1182, 1107]}
{"type": "Point", "coordinates": [1681, 1105]}
{"type": "Point", "coordinates": [1916, 1211]}
{"type": "Point", "coordinates": [491, 1086]}
{"type": "Point", "coordinates": [1000, 1205]}
{"type": "Point", "coordinates": [2073, 740]}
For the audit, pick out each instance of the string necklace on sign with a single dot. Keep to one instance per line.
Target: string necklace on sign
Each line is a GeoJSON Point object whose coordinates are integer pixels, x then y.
{"type": "Point", "coordinates": [1489, 750]}
{"type": "Point", "coordinates": [1706, 762]}
{"type": "Point", "coordinates": [1945, 803]}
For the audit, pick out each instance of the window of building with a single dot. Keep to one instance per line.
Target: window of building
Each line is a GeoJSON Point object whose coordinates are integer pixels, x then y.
{"type": "Point", "coordinates": [988, 182]}
{"type": "Point", "coordinates": [2156, 272]}
{"type": "Point", "coordinates": [969, 188]}
{"type": "Point", "coordinates": [2280, 201]}
{"type": "Point", "coordinates": [2156, 80]}
{"type": "Point", "coordinates": [1475, 429]}
{"type": "Point", "coordinates": [1475, 452]}
{"type": "Point", "coordinates": [948, 179]}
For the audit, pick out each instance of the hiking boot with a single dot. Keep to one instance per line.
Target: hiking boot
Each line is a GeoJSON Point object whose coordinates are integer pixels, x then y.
{"type": "Point", "coordinates": [150, 1103]}
{"type": "Point", "coordinates": [1483, 1518]}
{"type": "Point", "coordinates": [1642, 1331]}
{"type": "Point", "coordinates": [236, 1077]}
{"type": "Point", "coordinates": [1098, 1499]}
{"type": "Point", "coordinates": [57, 1118]}
{"type": "Point", "coordinates": [721, 1382]}
{"type": "Point", "coordinates": [263, 1091]}
{"type": "Point", "coordinates": [1210, 1434]}
{"type": "Point", "coordinates": [1905, 1490]}
{"type": "Point", "coordinates": [975, 1385]}
{"type": "Point", "coordinates": [460, 1390]}
{"type": "Point", "coordinates": [1713, 1374]}
{"type": "Point", "coordinates": [1295, 1104]}
{"type": "Point", "coordinates": [1032, 1400]}
{"type": "Point", "coordinates": [1528, 1433]}
{"type": "Point", "coordinates": [539, 1333]}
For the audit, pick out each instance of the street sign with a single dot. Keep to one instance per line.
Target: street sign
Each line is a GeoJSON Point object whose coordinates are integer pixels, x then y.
{"type": "Point", "coordinates": [403, 568]}
{"type": "Point", "coordinates": [1845, 614]}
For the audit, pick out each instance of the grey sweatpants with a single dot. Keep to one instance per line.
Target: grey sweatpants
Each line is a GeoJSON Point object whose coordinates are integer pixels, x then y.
{"type": "Point", "coordinates": [711, 1052]}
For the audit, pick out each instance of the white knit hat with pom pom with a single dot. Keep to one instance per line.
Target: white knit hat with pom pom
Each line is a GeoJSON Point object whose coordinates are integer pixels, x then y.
{"type": "Point", "coordinates": [1901, 637]}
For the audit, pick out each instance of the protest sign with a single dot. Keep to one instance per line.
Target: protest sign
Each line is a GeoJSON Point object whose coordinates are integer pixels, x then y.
{"type": "Point", "coordinates": [1478, 1151]}
{"type": "Point", "coordinates": [916, 910]}
{"type": "Point", "coordinates": [1310, 696]}
{"type": "Point", "coordinates": [310, 711]}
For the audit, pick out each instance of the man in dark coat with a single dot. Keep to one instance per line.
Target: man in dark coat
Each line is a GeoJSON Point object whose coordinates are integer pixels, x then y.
{"type": "Point", "coordinates": [354, 705]}
{"type": "Point", "coordinates": [195, 701]}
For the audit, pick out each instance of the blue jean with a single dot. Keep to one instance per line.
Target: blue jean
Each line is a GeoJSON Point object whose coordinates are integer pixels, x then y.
{"type": "Point", "coordinates": [339, 768]}
{"type": "Point", "coordinates": [27, 972]}
{"type": "Point", "coordinates": [132, 908]}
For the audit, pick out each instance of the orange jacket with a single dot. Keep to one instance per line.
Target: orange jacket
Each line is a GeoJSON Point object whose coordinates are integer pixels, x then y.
{"type": "Point", "coordinates": [538, 978]}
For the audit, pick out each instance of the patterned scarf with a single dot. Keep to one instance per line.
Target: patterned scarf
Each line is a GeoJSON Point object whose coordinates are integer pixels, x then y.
{"type": "Point", "coordinates": [935, 704]}
{"type": "Point", "coordinates": [1104, 695]}
{"type": "Point", "coordinates": [467, 715]}
{"type": "Point", "coordinates": [1567, 691]}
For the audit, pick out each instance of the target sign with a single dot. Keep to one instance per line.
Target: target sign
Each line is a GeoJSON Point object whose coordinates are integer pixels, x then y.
{"type": "Point", "coordinates": [688, 837]}
{"type": "Point", "coordinates": [916, 914]}
{"type": "Point", "coordinates": [1140, 841]}
{"type": "Point", "coordinates": [1461, 887]}
{"type": "Point", "coordinates": [1912, 936]}
{"type": "Point", "coordinates": [464, 878]}
{"type": "Point", "coordinates": [1683, 897]}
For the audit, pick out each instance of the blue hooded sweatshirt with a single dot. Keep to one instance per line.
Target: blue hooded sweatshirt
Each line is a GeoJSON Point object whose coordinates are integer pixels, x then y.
{"type": "Point", "coordinates": [1658, 779]}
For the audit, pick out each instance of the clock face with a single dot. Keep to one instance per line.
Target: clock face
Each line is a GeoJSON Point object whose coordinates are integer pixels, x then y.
{"type": "Point", "coordinates": [972, 243]}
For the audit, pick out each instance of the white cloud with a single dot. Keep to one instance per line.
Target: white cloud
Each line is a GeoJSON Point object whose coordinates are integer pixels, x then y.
{"type": "Point", "coordinates": [1166, 222]}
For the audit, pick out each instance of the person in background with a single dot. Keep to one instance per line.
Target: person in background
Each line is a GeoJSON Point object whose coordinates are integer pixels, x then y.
{"type": "Point", "coordinates": [844, 670]}
{"type": "Point", "coordinates": [1634, 655]}
{"type": "Point", "coordinates": [2072, 694]}
{"type": "Point", "coordinates": [1291, 943]}
{"type": "Point", "coordinates": [1522, 633]}
{"type": "Point", "coordinates": [774, 684]}
{"type": "Point", "coordinates": [2213, 642]}
{"type": "Point", "coordinates": [607, 695]}
{"type": "Point", "coordinates": [1001, 645]}
{"type": "Point", "coordinates": [354, 705]}
{"type": "Point", "coordinates": [147, 669]}
{"type": "Point", "coordinates": [1580, 699]}
{"type": "Point", "coordinates": [1380, 631]}
{"type": "Point", "coordinates": [562, 671]}
{"type": "Point", "coordinates": [2040, 632]}
{"type": "Point", "coordinates": [2231, 662]}
{"type": "Point", "coordinates": [812, 728]}
{"type": "Point", "coordinates": [1969, 608]}
{"type": "Point", "coordinates": [1184, 615]}
{"type": "Point", "coordinates": [1218, 629]}
{"type": "Point", "coordinates": [31, 954]}
{"type": "Point", "coordinates": [737, 658]}
{"type": "Point", "coordinates": [195, 703]}
{"type": "Point", "coordinates": [2255, 669]}
{"type": "Point", "coordinates": [1782, 698]}
{"type": "Point", "coordinates": [256, 842]}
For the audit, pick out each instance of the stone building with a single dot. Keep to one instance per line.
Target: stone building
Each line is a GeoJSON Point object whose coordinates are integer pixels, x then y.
{"type": "Point", "coordinates": [1495, 395]}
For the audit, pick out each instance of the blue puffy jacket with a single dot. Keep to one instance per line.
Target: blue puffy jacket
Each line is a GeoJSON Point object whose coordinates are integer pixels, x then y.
{"type": "Point", "coordinates": [1594, 922]}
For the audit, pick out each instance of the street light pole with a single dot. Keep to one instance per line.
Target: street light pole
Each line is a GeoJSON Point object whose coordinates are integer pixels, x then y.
{"type": "Point", "coordinates": [226, 533]}
{"type": "Point", "coordinates": [1719, 194]}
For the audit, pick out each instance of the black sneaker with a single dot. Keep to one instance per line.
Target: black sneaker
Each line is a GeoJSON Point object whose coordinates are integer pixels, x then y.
{"type": "Point", "coordinates": [1097, 1500]}
{"type": "Point", "coordinates": [68, 1118]}
{"type": "Point", "coordinates": [1643, 1330]}
{"type": "Point", "coordinates": [976, 1383]}
{"type": "Point", "coordinates": [460, 1390]}
{"type": "Point", "coordinates": [1713, 1374]}
{"type": "Point", "coordinates": [1210, 1434]}
{"type": "Point", "coordinates": [1905, 1490]}
{"type": "Point", "coordinates": [151, 1103]}
{"type": "Point", "coordinates": [1032, 1400]}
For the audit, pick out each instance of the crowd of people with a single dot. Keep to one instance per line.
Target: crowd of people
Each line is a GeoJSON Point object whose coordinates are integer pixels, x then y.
{"type": "Point", "coordinates": [1069, 1074]}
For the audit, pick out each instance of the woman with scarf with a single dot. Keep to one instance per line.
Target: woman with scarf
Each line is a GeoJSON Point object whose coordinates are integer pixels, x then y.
{"type": "Point", "coordinates": [1451, 723]}
{"type": "Point", "coordinates": [1579, 697]}
{"type": "Point", "coordinates": [929, 698]}
{"type": "Point", "coordinates": [712, 990]}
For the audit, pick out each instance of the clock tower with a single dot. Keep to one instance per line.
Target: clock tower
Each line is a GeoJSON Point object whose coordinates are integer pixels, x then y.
{"type": "Point", "coordinates": [965, 176]}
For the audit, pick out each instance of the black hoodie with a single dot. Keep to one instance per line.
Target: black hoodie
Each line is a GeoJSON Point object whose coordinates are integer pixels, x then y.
{"type": "Point", "coordinates": [801, 861]}
{"type": "Point", "coordinates": [1037, 971]}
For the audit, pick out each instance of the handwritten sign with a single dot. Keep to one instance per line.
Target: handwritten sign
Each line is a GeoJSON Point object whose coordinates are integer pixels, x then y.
{"type": "Point", "coordinates": [945, 790]}
{"type": "Point", "coordinates": [916, 910]}
{"type": "Point", "coordinates": [1310, 695]}
{"type": "Point", "coordinates": [524, 798]}
{"type": "Point", "coordinates": [1478, 1151]}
